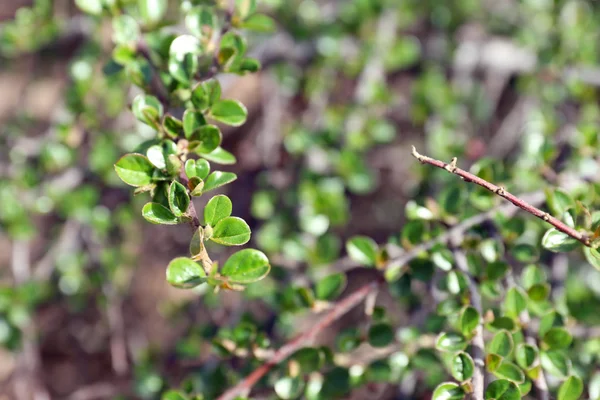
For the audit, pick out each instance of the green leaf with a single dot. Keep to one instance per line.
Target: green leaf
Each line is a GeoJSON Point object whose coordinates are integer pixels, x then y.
{"type": "Point", "coordinates": [492, 361]}
{"type": "Point", "coordinates": [259, 23]}
{"type": "Point", "coordinates": [330, 287]}
{"type": "Point", "coordinates": [450, 341]}
{"type": "Point", "coordinates": [216, 209]}
{"type": "Point", "coordinates": [192, 121]}
{"type": "Point", "coordinates": [557, 241]}
{"type": "Point", "coordinates": [134, 169]}
{"type": "Point", "coordinates": [185, 273]}
{"type": "Point", "coordinates": [205, 139]}
{"type": "Point", "coordinates": [289, 387]}
{"type": "Point", "coordinates": [183, 58]}
{"type": "Point", "coordinates": [362, 249]}
{"type": "Point", "coordinates": [310, 359]}
{"type": "Point", "coordinates": [559, 201]}
{"type": "Point", "coordinates": [557, 338]}
{"type": "Point", "coordinates": [462, 366]}
{"type": "Point", "coordinates": [229, 112]}
{"type": "Point", "coordinates": [179, 200]}
{"type": "Point", "coordinates": [197, 168]}
{"type": "Point", "coordinates": [549, 320]}
{"type": "Point", "coordinates": [380, 334]}
{"type": "Point", "coordinates": [515, 302]}
{"type": "Point", "coordinates": [93, 7]}
{"type": "Point", "coordinates": [173, 395]}
{"type": "Point", "coordinates": [555, 362]}
{"type": "Point", "coordinates": [220, 156]}
{"type": "Point", "coordinates": [218, 179]}
{"type": "Point", "coordinates": [147, 109]}
{"type": "Point", "coordinates": [156, 157]}
{"type": "Point", "coordinates": [592, 256]}
{"type": "Point", "coordinates": [469, 319]}
{"type": "Point", "coordinates": [152, 11]}
{"type": "Point", "coordinates": [173, 126]}
{"type": "Point", "coordinates": [526, 354]}
{"type": "Point", "coordinates": [502, 389]}
{"type": "Point", "coordinates": [158, 214]}
{"type": "Point", "coordinates": [244, 8]}
{"type": "Point", "coordinates": [501, 343]}
{"type": "Point", "coordinates": [571, 389]}
{"type": "Point", "coordinates": [510, 371]}
{"type": "Point", "coordinates": [539, 292]}
{"type": "Point", "coordinates": [448, 391]}
{"type": "Point", "coordinates": [246, 266]}
{"type": "Point", "coordinates": [231, 231]}
{"type": "Point", "coordinates": [125, 29]}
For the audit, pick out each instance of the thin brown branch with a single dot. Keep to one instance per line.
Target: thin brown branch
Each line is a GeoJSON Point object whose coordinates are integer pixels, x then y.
{"type": "Point", "coordinates": [477, 342]}
{"type": "Point", "coordinates": [341, 308]}
{"type": "Point", "coordinates": [500, 191]}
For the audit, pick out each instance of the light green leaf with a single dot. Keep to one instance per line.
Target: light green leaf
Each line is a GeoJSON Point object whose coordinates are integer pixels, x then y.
{"type": "Point", "coordinates": [571, 389]}
{"type": "Point", "coordinates": [183, 58]}
{"type": "Point", "coordinates": [510, 371]}
{"type": "Point", "coordinates": [158, 214]}
{"type": "Point", "coordinates": [448, 391]}
{"type": "Point", "coordinates": [197, 168]}
{"type": "Point", "coordinates": [362, 249]}
{"type": "Point", "coordinates": [259, 23]}
{"type": "Point", "coordinates": [218, 179]}
{"type": "Point", "coordinates": [231, 231]}
{"type": "Point", "coordinates": [288, 387]}
{"type": "Point", "coordinates": [125, 29]}
{"type": "Point", "coordinates": [147, 109]}
{"type": "Point", "coordinates": [462, 366]}
{"type": "Point", "coordinates": [179, 200]}
{"type": "Point", "coordinates": [134, 169]}
{"type": "Point", "coordinates": [557, 241]}
{"type": "Point", "coordinates": [246, 266]}
{"type": "Point", "coordinates": [501, 343]}
{"type": "Point", "coordinates": [502, 389]}
{"type": "Point", "coordinates": [216, 209]}
{"type": "Point", "coordinates": [230, 112]}
{"type": "Point", "coordinates": [515, 302]}
{"type": "Point", "coordinates": [556, 362]}
{"type": "Point", "coordinates": [330, 287]}
{"type": "Point", "coordinates": [156, 156]}
{"type": "Point", "coordinates": [184, 272]}
{"type": "Point", "coordinates": [220, 156]}
{"type": "Point", "coordinates": [469, 319]}
{"type": "Point", "coordinates": [152, 11]}
{"type": "Point", "coordinates": [526, 354]}
{"type": "Point", "coordinates": [592, 256]}
{"type": "Point", "coordinates": [450, 341]}
{"type": "Point", "coordinates": [192, 121]}
{"type": "Point", "coordinates": [93, 7]}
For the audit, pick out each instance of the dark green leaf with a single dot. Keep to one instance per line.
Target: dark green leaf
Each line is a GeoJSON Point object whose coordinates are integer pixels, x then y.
{"type": "Point", "coordinates": [246, 266]}
{"type": "Point", "coordinates": [205, 139]}
{"type": "Point", "coordinates": [462, 366]}
{"type": "Point", "coordinates": [231, 231]}
{"type": "Point", "coordinates": [185, 273]}
{"type": "Point", "coordinates": [159, 214]}
{"type": "Point", "coordinates": [469, 319]}
{"type": "Point", "coordinates": [197, 168]}
{"type": "Point", "coordinates": [192, 121]}
{"type": "Point", "coordinates": [526, 354]}
{"type": "Point", "coordinates": [559, 201]}
{"type": "Point", "coordinates": [452, 342]}
{"type": "Point", "coordinates": [134, 169]}
{"type": "Point", "coordinates": [330, 287]}
{"type": "Point", "coordinates": [501, 344]}
{"type": "Point", "coordinates": [502, 389]}
{"type": "Point", "coordinates": [557, 338]}
{"type": "Point", "coordinates": [179, 200]}
{"type": "Point", "coordinates": [448, 391]}
{"type": "Point", "coordinates": [172, 126]}
{"type": "Point", "coordinates": [381, 334]}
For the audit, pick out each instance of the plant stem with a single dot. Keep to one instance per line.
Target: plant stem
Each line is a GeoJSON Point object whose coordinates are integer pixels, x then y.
{"type": "Point", "coordinates": [500, 191]}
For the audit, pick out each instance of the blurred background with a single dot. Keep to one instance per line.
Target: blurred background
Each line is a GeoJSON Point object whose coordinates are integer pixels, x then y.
{"type": "Point", "coordinates": [347, 86]}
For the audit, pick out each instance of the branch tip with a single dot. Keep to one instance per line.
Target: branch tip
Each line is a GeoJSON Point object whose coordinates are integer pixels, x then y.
{"type": "Point", "coordinates": [416, 154]}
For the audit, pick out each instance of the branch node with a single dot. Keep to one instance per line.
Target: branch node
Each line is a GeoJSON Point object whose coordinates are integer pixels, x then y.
{"type": "Point", "coordinates": [418, 156]}
{"type": "Point", "coordinates": [546, 217]}
{"type": "Point", "coordinates": [452, 166]}
{"type": "Point", "coordinates": [500, 191]}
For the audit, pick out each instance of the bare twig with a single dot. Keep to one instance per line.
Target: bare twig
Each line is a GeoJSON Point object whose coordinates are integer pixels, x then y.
{"type": "Point", "coordinates": [500, 191]}
{"type": "Point", "coordinates": [477, 342]}
{"type": "Point", "coordinates": [305, 338]}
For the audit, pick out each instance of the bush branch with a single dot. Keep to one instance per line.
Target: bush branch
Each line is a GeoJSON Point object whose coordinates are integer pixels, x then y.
{"type": "Point", "coordinates": [500, 191]}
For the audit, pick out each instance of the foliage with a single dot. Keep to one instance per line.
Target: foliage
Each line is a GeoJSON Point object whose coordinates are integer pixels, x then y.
{"type": "Point", "coordinates": [461, 287]}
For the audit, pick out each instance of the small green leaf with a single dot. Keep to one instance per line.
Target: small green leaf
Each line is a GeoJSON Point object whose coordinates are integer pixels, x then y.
{"type": "Point", "coordinates": [259, 23]}
{"type": "Point", "coordinates": [134, 169]}
{"type": "Point", "coordinates": [192, 121]}
{"type": "Point", "coordinates": [492, 361]}
{"type": "Point", "coordinates": [218, 179]}
{"type": "Point", "coordinates": [179, 200]}
{"type": "Point", "coordinates": [173, 126]}
{"type": "Point", "coordinates": [381, 334]}
{"type": "Point", "coordinates": [231, 231]}
{"type": "Point", "coordinates": [592, 256]}
{"type": "Point", "coordinates": [515, 302]}
{"type": "Point", "coordinates": [559, 201]}
{"type": "Point", "coordinates": [246, 266]}
{"type": "Point", "coordinates": [289, 387]}
{"type": "Point", "coordinates": [93, 7]}
{"type": "Point", "coordinates": [173, 395]}
{"type": "Point", "coordinates": [448, 391]}
{"type": "Point", "coordinates": [539, 292]}
{"type": "Point", "coordinates": [571, 389]}
{"type": "Point", "coordinates": [510, 371]}
{"type": "Point", "coordinates": [230, 112]}
{"type": "Point", "coordinates": [147, 109]}
{"type": "Point", "coordinates": [158, 214]}
{"type": "Point", "coordinates": [185, 273]}
{"type": "Point", "coordinates": [152, 11]}
{"type": "Point", "coordinates": [125, 29]}
{"type": "Point", "coordinates": [156, 157]}
{"type": "Point", "coordinates": [330, 287]}
{"type": "Point", "coordinates": [183, 58]}
{"type": "Point", "coordinates": [310, 359]}
{"type": "Point", "coordinates": [502, 389]}
{"type": "Point", "coordinates": [205, 139]}
{"type": "Point", "coordinates": [216, 209]}
{"type": "Point", "coordinates": [197, 168]}
{"type": "Point", "coordinates": [362, 249]}
{"type": "Point", "coordinates": [501, 343]}
{"type": "Point", "coordinates": [462, 366]}
{"type": "Point", "coordinates": [245, 7]}
{"type": "Point", "coordinates": [557, 338]}
{"type": "Point", "coordinates": [526, 354]}
{"type": "Point", "coordinates": [220, 156]}
{"type": "Point", "coordinates": [557, 241]}
{"type": "Point", "coordinates": [469, 319]}
{"type": "Point", "coordinates": [555, 362]}
{"type": "Point", "coordinates": [449, 341]}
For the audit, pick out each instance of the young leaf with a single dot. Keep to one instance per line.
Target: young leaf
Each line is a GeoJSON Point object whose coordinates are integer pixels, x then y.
{"type": "Point", "coordinates": [231, 231]}
{"type": "Point", "coordinates": [362, 249]}
{"type": "Point", "coordinates": [179, 200]}
{"type": "Point", "coordinates": [330, 287]}
{"type": "Point", "coordinates": [218, 179]}
{"type": "Point", "coordinates": [246, 266]}
{"type": "Point", "coordinates": [448, 391]}
{"type": "Point", "coordinates": [158, 214]}
{"type": "Point", "coordinates": [205, 139]}
{"type": "Point", "coordinates": [557, 241]}
{"type": "Point", "coordinates": [462, 366]}
{"type": "Point", "coordinates": [185, 273]}
{"type": "Point", "coordinates": [230, 112]}
{"type": "Point", "coordinates": [502, 389]}
{"type": "Point", "coordinates": [147, 109]}
{"type": "Point", "coordinates": [216, 209]}
{"type": "Point", "coordinates": [571, 389]}
{"type": "Point", "coordinates": [501, 344]}
{"type": "Point", "coordinates": [173, 126]}
{"type": "Point", "coordinates": [134, 169]}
